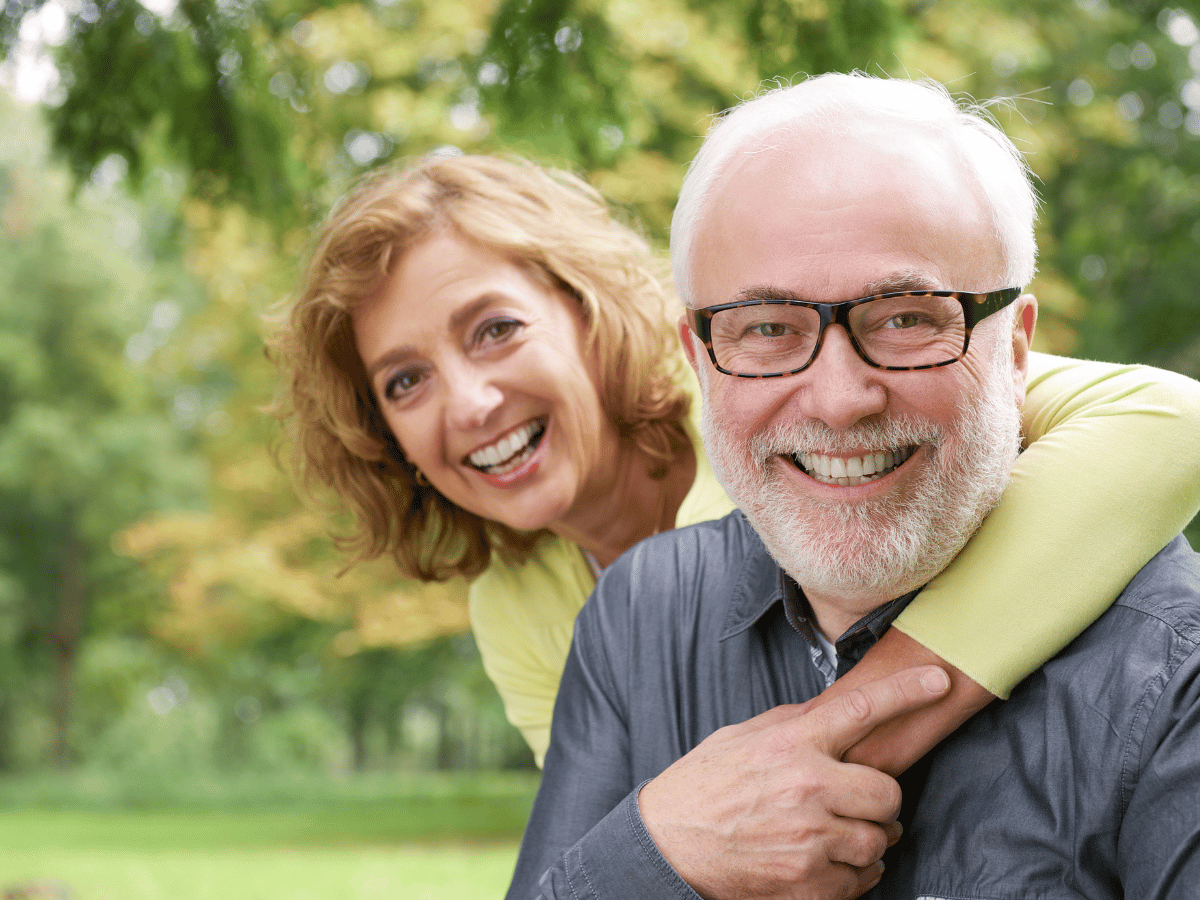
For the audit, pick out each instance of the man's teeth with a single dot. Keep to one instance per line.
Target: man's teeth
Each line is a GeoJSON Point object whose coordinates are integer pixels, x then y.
{"type": "Point", "coordinates": [849, 471]}
{"type": "Point", "coordinates": [508, 452]}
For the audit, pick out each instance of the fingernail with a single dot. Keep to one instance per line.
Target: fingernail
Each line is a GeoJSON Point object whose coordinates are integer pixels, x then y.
{"type": "Point", "coordinates": [935, 681]}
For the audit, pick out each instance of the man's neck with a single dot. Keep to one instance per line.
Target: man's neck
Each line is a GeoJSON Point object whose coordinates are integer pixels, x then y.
{"type": "Point", "coordinates": [852, 641]}
{"type": "Point", "coordinates": [834, 615]}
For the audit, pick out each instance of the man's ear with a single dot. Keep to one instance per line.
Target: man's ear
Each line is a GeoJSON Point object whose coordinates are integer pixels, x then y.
{"type": "Point", "coordinates": [690, 342]}
{"type": "Point", "coordinates": [1024, 324]}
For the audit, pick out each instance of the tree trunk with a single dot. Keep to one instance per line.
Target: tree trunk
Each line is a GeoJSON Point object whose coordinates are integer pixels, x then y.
{"type": "Point", "coordinates": [66, 634]}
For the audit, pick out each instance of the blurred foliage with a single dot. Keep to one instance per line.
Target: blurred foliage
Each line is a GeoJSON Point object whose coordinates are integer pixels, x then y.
{"type": "Point", "coordinates": [154, 555]}
{"type": "Point", "coordinates": [275, 105]}
{"type": "Point", "coordinates": [165, 603]}
{"type": "Point", "coordinates": [73, 413]}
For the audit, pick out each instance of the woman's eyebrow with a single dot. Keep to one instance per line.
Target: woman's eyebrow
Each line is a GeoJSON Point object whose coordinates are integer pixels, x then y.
{"type": "Point", "coordinates": [460, 317]}
{"type": "Point", "coordinates": [458, 320]}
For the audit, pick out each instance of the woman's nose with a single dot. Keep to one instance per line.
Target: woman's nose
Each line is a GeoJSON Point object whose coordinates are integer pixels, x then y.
{"type": "Point", "coordinates": [473, 396]}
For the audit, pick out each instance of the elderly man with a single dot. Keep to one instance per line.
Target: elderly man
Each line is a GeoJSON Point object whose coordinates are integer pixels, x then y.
{"type": "Point", "coordinates": [866, 241]}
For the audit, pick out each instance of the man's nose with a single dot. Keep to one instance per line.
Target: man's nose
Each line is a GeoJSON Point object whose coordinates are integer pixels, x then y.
{"type": "Point", "coordinates": [472, 395]}
{"type": "Point", "coordinates": [839, 388]}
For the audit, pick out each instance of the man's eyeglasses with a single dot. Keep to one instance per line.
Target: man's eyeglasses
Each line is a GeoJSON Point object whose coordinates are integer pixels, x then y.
{"type": "Point", "coordinates": [900, 331]}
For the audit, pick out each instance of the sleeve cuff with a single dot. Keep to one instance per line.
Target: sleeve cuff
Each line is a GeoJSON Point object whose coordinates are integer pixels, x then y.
{"type": "Point", "coordinates": [616, 860]}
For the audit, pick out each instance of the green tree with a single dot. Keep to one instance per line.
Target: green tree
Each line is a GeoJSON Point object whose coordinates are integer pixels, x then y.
{"type": "Point", "coordinates": [276, 105]}
{"type": "Point", "coordinates": [1110, 115]}
{"type": "Point", "coordinates": [86, 443]}
{"type": "Point", "coordinates": [268, 108]}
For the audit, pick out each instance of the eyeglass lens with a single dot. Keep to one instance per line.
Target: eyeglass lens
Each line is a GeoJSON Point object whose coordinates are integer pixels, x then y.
{"type": "Point", "coordinates": [906, 330]}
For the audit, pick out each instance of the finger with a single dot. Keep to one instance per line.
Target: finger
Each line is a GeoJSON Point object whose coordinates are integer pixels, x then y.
{"type": "Point", "coordinates": [837, 726]}
{"type": "Point", "coordinates": [894, 830]}
{"type": "Point", "coordinates": [868, 877]}
{"type": "Point", "coordinates": [860, 792]}
{"type": "Point", "coordinates": [777, 714]}
{"type": "Point", "coordinates": [855, 843]}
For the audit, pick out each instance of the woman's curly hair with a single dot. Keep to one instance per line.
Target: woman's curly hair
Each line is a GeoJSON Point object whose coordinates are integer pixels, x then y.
{"type": "Point", "coordinates": [544, 219]}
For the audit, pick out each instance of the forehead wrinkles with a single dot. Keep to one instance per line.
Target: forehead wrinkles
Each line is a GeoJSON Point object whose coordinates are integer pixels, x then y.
{"type": "Point", "coordinates": [913, 189]}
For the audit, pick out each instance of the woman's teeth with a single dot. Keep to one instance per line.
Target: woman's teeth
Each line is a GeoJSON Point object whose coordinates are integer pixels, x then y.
{"type": "Point", "coordinates": [850, 471]}
{"type": "Point", "coordinates": [510, 451]}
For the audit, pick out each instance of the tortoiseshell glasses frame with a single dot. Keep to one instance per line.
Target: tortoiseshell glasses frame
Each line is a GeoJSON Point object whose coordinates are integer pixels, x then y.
{"type": "Point", "coordinates": [975, 308]}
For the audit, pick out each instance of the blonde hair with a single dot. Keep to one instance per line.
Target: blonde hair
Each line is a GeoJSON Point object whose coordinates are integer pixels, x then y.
{"type": "Point", "coordinates": [542, 219]}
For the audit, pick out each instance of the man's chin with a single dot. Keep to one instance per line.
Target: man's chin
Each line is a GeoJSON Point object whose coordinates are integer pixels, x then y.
{"type": "Point", "coordinates": [853, 560]}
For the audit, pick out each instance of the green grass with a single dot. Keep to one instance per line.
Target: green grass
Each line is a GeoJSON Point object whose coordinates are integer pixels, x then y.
{"type": "Point", "coordinates": [265, 838]}
{"type": "Point", "coordinates": [450, 872]}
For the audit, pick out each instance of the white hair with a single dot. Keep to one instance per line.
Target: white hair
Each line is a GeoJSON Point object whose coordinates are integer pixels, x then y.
{"type": "Point", "coordinates": [838, 101]}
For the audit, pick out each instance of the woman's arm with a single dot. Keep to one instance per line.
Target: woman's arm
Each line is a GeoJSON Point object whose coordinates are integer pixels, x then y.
{"type": "Point", "coordinates": [1111, 473]}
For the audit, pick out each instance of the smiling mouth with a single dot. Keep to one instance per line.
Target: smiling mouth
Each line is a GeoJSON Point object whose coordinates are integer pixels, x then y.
{"type": "Point", "coordinates": [511, 451]}
{"type": "Point", "coordinates": [842, 471]}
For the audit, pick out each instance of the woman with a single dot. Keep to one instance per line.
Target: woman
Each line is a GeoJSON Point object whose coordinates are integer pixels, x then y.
{"type": "Point", "coordinates": [482, 363]}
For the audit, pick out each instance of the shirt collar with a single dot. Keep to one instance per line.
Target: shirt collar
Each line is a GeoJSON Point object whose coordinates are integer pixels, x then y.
{"type": "Point", "coordinates": [758, 586]}
{"type": "Point", "coordinates": [858, 638]}
{"type": "Point", "coordinates": [761, 584]}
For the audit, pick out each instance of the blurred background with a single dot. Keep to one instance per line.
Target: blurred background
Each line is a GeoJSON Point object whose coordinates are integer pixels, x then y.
{"type": "Point", "coordinates": [195, 699]}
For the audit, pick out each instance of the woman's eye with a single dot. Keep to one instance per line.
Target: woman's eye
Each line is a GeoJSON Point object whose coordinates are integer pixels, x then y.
{"type": "Point", "coordinates": [497, 330]}
{"type": "Point", "coordinates": [402, 384]}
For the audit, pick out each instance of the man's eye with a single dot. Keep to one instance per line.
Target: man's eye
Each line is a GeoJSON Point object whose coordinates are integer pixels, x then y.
{"type": "Point", "coordinates": [768, 329]}
{"type": "Point", "coordinates": [905, 320]}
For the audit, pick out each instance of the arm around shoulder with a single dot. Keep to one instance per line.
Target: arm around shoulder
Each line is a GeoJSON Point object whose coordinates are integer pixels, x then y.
{"type": "Point", "coordinates": [1111, 473]}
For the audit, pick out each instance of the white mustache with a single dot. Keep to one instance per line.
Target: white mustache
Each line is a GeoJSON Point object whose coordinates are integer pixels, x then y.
{"type": "Point", "coordinates": [810, 436]}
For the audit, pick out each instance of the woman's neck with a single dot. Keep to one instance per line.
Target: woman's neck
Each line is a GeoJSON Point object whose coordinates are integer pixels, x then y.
{"type": "Point", "coordinates": [635, 508]}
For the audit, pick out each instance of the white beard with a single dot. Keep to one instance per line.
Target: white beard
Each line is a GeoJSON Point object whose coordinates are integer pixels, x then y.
{"type": "Point", "coordinates": [868, 552]}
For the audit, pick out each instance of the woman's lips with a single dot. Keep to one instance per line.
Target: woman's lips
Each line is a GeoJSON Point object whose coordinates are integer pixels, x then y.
{"type": "Point", "coordinates": [511, 451]}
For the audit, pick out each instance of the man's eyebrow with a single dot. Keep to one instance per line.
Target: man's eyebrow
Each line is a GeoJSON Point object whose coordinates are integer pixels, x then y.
{"type": "Point", "coordinates": [901, 281]}
{"type": "Point", "coordinates": [760, 293]}
{"type": "Point", "coordinates": [898, 281]}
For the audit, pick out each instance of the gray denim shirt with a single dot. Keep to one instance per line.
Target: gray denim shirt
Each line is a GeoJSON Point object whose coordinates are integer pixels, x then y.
{"type": "Point", "coordinates": [1084, 784]}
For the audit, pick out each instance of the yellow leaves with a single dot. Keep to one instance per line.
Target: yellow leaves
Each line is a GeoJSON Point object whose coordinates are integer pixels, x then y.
{"type": "Point", "coordinates": [226, 581]}
{"type": "Point", "coordinates": [411, 613]}
{"type": "Point", "coordinates": [339, 32]}
{"type": "Point", "coordinates": [222, 579]}
{"type": "Point", "coordinates": [151, 536]}
{"type": "Point", "coordinates": [648, 182]}
{"type": "Point", "coordinates": [356, 32]}
{"type": "Point", "coordinates": [1060, 310]}
{"type": "Point", "coordinates": [256, 472]}
{"type": "Point", "coordinates": [234, 254]}
{"type": "Point", "coordinates": [704, 40]}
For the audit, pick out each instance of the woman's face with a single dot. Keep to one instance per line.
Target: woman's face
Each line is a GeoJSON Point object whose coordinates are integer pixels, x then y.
{"type": "Point", "coordinates": [478, 369]}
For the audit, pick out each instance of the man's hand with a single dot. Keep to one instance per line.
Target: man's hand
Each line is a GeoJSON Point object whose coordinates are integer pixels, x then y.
{"type": "Point", "coordinates": [766, 809]}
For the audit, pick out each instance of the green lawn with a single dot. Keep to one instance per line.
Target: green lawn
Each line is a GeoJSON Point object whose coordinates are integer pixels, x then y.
{"type": "Point", "coordinates": [424, 839]}
{"type": "Point", "coordinates": [435, 872]}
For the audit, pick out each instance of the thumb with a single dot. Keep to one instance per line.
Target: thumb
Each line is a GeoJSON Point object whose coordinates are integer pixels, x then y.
{"type": "Point", "coordinates": [837, 726]}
